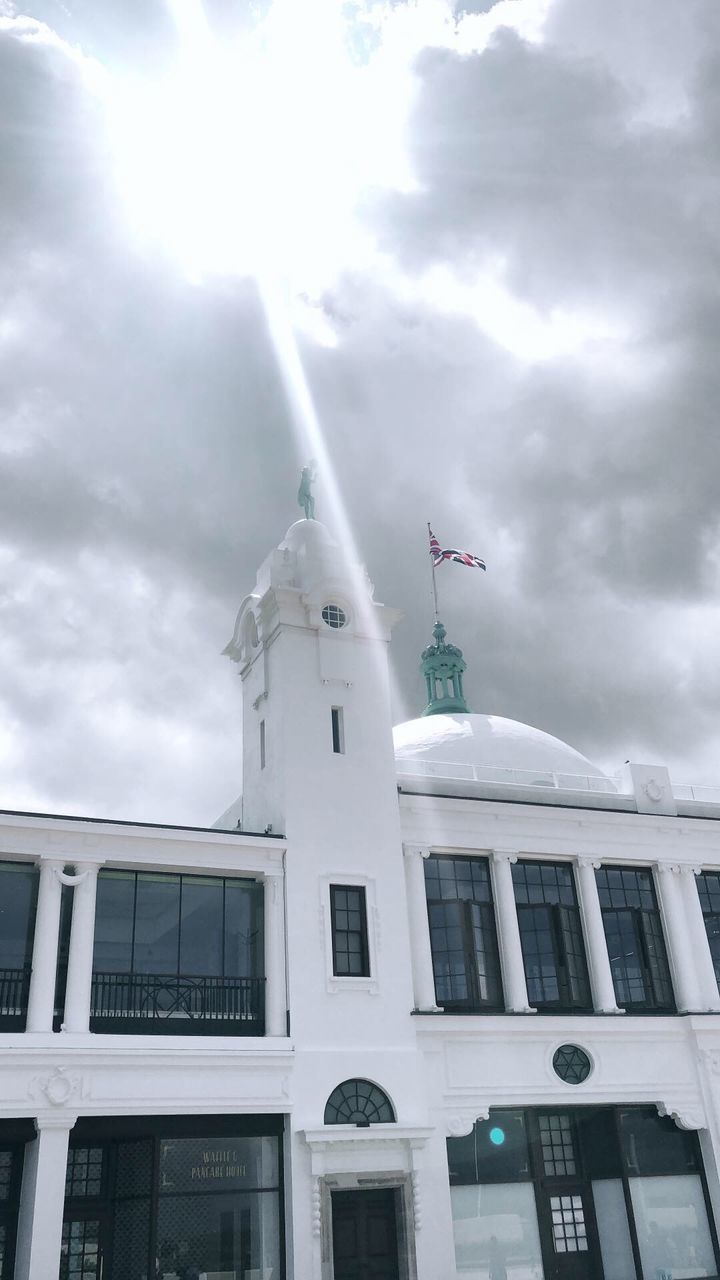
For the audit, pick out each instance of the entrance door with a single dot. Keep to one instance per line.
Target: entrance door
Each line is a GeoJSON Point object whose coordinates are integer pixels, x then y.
{"type": "Point", "coordinates": [566, 1214]}
{"type": "Point", "coordinates": [365, 1235]}
{"type": "Point", "coordinates": [570, 1244]}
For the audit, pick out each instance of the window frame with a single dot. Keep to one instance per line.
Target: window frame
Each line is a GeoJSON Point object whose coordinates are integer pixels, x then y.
{"type": "Point", "coordinates": [337, 730]}
{"type": "Point", "coordinates": [473, 1003]}
{"type": "Point", "coordinates": [559, 933]}
{"type": "Point", "coordinates": [364, 951]}
{"type": "Point", "coordinates": [339, 983]}
{"type": "Point", "coordinates": [710, 915]}
{"type": "Point", "coordinates": [640, 918]}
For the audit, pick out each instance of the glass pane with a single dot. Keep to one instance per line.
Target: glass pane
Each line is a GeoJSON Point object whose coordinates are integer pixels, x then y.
{"type": "Point", "coordinates": [654, 1144]}
{"type": "Point", "coordinates": [234, 1234]}
{"type": "Point", "coordinates": [626, 963]}
{"type": "Point", "coordinates": [199, 1165]}
{"type": "Point", "coordinates": [18, 894]}
{"type": "Point", "coordinates": [448, 953]}
{"type": "Point", "coordinates": [613, 1229]}
{"type": "Point", "coordinates": [157, 921]}
{"type": "Point", "coordinates": [114, 922]}
{"type": "Point", "coordinates": [243, 929]}
{"type": "Point", "coordinates": [201, 927]}
{"type": "Point", "coordinates": [539, 956]}
{"type": "Point", "coordinates": [484, 946]}
{"type": "Point", "coordinates": [495, 1151]}
{"type": "Point", "coordinates": [496, 1232]}
{"type": "Point", "coordinates": [672, 1227]}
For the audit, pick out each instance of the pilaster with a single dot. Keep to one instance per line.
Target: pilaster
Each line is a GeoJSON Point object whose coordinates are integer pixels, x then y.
{"type": "Point", "coordinates": [42, 1199]}
{"type": "Point", "coordinates": [80, 955]}
{"type": "Point", "coordinates": [705, 970]}
{"type": "Point", "coordinates": [275, 981]}
{"type": "Point", "coordinates": [601, 980]}
{"type": "Point", "coordinates": [420, 948]}
{"type": "Point", "coordinates": [41, 998]}
{"type": "Point", "coordinates": [679, 944]}
{"type": "Point", "coordinates": [511, 956]}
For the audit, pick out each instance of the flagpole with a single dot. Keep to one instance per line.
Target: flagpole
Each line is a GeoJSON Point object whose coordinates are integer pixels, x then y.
{"type": "Point", "coordinates": [434, 583]}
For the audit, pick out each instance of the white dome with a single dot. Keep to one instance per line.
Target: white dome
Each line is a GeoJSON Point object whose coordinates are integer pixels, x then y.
{"type": "Point", "coordinates": [491, 748]}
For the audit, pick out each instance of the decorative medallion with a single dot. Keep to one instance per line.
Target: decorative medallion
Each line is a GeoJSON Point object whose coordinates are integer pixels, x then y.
{"type": "Point", "coordinates": [571, 1064]}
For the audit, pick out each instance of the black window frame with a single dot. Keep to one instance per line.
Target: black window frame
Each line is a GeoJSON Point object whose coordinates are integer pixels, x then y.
{"type": "Point", "coordinates": [472, 1161]}
{"type": "Point", "coordinates": [14, 1136]}
{"type": "Point", "coordinates": [15, 977]}
{"type": "Point", "coordinates": [642, 921]}
{"type": "Point", "coordinates": [473, 912]}
{"type": "Point", "coordinates": [172, 1001]}
{"type": "Point", "coordinates": [708, 887]}
{"type": "Point", "coordinates": [341, 931]}
{"type": "Point", "coordinates": [547, 904]}
{"type": "Point", "coordinates": [337, 726]}
{"type": "Point", "coordinates": [112, 1132]}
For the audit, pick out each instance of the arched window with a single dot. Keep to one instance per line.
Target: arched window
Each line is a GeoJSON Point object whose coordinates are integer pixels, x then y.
{"type": "Point", "coordinates": [358, 1102]}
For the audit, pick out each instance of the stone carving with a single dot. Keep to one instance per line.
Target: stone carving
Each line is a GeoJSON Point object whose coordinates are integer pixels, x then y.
{"type": "Point", "coordinates": [58, 1088]}
{"type": "Point", "coordinates": [653, 790]}
{"type": "Point", "coordinates": [416, 1205]}
{"type": "Point", "coordinates": [460, 1123]}
{"type": "Point", "coordinates": [684, 1117]}
{"type": "Point", "coordinates": [316, 1207]}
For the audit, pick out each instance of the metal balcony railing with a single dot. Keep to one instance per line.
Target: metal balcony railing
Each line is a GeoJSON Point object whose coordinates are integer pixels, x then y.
{"type": "Point", "coordinates": [14, 991]}
{"type": "Point", "coordinates": [168, 1004]}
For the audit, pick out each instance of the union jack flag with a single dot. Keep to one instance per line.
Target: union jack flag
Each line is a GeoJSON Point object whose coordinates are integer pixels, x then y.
{"type": "Point", "coordinates": [451, 553]}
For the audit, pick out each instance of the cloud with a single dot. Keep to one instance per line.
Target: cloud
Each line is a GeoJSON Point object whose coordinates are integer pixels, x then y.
{"type": "Point", "coordinates": [147, 455]}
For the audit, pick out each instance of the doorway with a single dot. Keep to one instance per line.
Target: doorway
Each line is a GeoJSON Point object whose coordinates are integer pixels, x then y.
{"type": "Point", "coordinates": [365, 1234]}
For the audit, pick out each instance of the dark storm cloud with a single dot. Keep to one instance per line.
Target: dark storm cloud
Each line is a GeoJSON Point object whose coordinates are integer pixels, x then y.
{"type": "Point", "coordinates": [147, 461]}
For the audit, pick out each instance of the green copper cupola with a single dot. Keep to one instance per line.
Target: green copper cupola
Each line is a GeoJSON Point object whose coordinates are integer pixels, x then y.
{"type": "Point", "coordinates": [442, 666]}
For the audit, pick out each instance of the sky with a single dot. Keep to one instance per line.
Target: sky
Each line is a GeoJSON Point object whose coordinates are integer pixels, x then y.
{"type": "Point", "coordinates": [466, 255]}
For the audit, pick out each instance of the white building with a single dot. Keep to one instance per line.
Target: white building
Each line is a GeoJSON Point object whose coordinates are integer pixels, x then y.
{"type": "Point", "coordinates": [448, 1011]}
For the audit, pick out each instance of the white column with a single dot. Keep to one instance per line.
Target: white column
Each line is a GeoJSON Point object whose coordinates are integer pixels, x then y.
{"type": "Point", "coordinates": [707, 982]}
{"type": "Point", "coordinates": [511, 956]}
{"type": "Point", "coordinates": [80, 954]}
{"type": "Point", "coordinates": [275, 984]}
{"type": "Point", "coordinates": [420, 949]}
{"type": "Point", "coordinates": [41, 998]}
{"type": "Point", "coordinates": [679, 944]}
{"type": "Point", "coordinates": [42, 1200]}
{"type": "Point", "coordinates": [601, 982]}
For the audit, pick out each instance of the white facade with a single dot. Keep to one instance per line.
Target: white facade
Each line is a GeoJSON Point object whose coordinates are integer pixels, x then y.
{"type": "Point", "coordinates": [327, 807]}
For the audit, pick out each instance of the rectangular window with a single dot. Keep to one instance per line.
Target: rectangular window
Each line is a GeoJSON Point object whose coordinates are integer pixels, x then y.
{"type": "Point", "coordinates": [262, 744]}
{"type": "Point", "coordinates": [173, 950]}
{"type": "Point", "coordinates": [11, 1163]}
{"type": "Point", "coordinates": [579, 1193]}
{"type": "Point", "coordinates": [177, 1198]}
{"type": "Point", "coordinates": [349, 931]}
{"type": "Point", "coordinates": [18, 901]}
{"type": "Point", "coordinates": [463, 937]}
{"type": "Point", "coordinates": [708, 884]}
{"type": "Point", "coordinates": [633, 931]}
{"type": "Point", "coordinates": [338, 730]}
{"type": "Point", "coordinates": [551, 936]}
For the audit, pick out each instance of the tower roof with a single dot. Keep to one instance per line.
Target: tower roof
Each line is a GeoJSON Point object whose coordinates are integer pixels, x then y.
{"type": "Point", "coordinates": [442, 665]}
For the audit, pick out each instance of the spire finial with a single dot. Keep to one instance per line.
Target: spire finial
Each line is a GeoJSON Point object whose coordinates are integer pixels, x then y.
{"type": "Point", "coordinates": [308, 476]}
{"type": "Point", "coordinates": [443, 666]}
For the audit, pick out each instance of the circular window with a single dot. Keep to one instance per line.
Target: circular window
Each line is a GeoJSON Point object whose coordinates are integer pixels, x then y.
{"type": "Point", "coordinates": [571, 1064]}
{"type": "Point", "coordinates": [334, 616]}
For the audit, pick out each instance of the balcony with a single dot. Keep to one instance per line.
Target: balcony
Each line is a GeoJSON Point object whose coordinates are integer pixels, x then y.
{"type": "Point", "coordinates": [14, 991]}
{"type": "Point", "coordinates": [167, 1004]}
